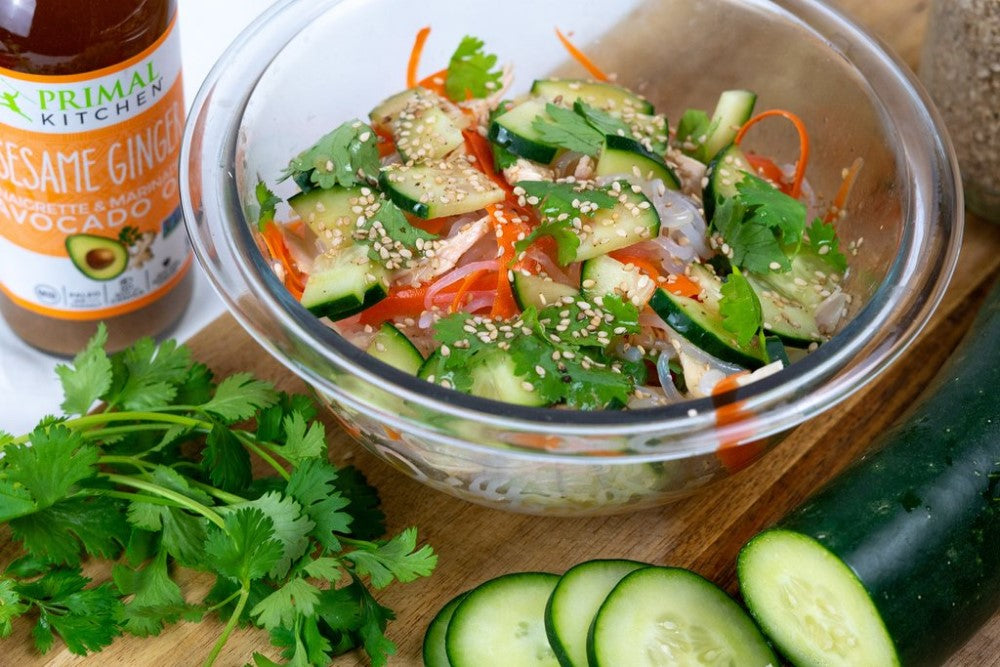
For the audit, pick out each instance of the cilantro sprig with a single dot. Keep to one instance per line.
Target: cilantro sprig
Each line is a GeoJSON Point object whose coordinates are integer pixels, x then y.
{"type": "Point", "coordinates": [741, 310]}
{"type": "Point", "coordinates": [162, 475]}
{"type": "Point", "coordinates": [471, 71]}
{"type": "Point", "coordinates": [561, 207]}
{"type": "Point", "coordinates": [564, 128]}
{"type": "Point", "coordinates": [347, 156]}
{"type": "Point", "coordinates": [558, 351]}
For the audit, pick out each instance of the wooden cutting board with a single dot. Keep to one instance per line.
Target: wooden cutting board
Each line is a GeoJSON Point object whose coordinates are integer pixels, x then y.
{"type": "Point", "coordinates": [703, 532]}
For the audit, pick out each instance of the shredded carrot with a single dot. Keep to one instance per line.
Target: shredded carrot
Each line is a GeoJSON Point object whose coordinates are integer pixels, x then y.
{"type": "Point", "coordinates": [414, 64]}
{"type": "Point", "coordinates": [678, 284]}
{"type": "Point", "coordinates": [386, 142]}
{"type": "Point", "coordinates": [435, 82]}
{"type": "Point", "coordinates": [581, 57]}
{"type": "Point", "coordinates": [681, 285]}
{"type": "Point", "coordinates": [800, 127]}
{"type": "Point", "coordinates": [642, 263]}
{"type": "Point", "coordinates": [506, 234]}
{"type": "Point", "coordinates": [432, 226]}
{"type": "Point", "coordinates": [297, 227]}
{"type": "Point", "coordinates": [275, 242]}
{"type": "Point", "coordinates": [844, 191]}
{"type": "Point", "coordinates": [400, 302]}
{"type": "Point", "coordinates": [770, 171]}
{"type": "Point", "coordinates": [735, 452]}
{"type": "Point", "coordinates": [478, 147]}
{"type": "Point", "coordinates": [463, 289]}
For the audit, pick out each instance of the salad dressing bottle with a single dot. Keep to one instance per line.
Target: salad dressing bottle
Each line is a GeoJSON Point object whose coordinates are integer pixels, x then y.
{"type": "Point", "coordinates": [91, 119]}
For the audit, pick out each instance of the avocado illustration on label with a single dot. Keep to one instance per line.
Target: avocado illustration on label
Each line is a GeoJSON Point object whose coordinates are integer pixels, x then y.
{"type": "Point", "coordinates": [97, 257]}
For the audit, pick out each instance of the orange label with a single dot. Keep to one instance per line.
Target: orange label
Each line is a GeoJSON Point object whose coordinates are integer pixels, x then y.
{"type": "Point", "coordinates": [89, 218]}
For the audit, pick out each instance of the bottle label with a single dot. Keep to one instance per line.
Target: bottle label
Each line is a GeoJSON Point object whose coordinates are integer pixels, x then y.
{"type": "Point", "coordinates": [89, 220]}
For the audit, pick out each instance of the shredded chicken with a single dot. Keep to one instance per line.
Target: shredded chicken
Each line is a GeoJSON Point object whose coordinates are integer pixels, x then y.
{"type": "Point", "coordinates": [525, 170]}
{"type": "Point", "coordinates": [446, 254]}
{"type": "Point", "coordinates": [689, 170]}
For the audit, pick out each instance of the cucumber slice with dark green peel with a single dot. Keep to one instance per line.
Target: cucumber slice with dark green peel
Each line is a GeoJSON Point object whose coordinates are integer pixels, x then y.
{"type": "Point", "coordinates": [426, 133]}
{"type": "Point", "coordinates": [631, 220]}
{"type": "Point", "coordinates": [606, 275]}
{"type": "Point", "coordinates": [493, 377]}
{"type": "Point", "coordinates": [389, 108]}
{"type": "Point", "coordinates": [669, 616]}
{"type": "Point", "coordinates": [623, 155]}
{"type": "Point", "coordinates": [724, 172]}
{"type": "Point", "coordinates": [604, 96]}
{"type": "Point", "coordinates": [440, 189]}
{"type": "Point", "coordinates": [330, 213]}
{"type": "Point", "coordinates": [513, 130]}
{"type": "Point", "coordinates": [435, 652]}
{"type": "Point", "coordinates": [501, 623]}
{"type": "Point", "coordinates": [391, 346]}
{"type": "Point", "coordinates": [344, 282]}
{"type": "Point", "coordinates": [896, 561]}
{"type": "Point", "coordinates": [789, 320]}
{"type": "Point", "coordinates": [811, 604]}
{"type": "Point", "coordinates": [574, 603]}
{"type": "Point", "coordinates": [701, 322]}
{"type": "Point", "coordinates": [733, 110]}
{"type": "Point", "coordinates": [538, 291]}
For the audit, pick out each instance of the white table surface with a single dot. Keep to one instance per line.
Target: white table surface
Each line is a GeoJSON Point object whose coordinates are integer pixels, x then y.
{"type": "Point", "coordinates": [29, 388]}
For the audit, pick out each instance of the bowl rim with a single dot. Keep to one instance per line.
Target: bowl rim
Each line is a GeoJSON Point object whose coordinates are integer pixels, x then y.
{"type": "Point", "coordinates": [931, 195]}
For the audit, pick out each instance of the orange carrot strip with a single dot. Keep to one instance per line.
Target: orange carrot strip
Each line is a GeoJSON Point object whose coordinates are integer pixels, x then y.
{"type": "Point", "coordinates": [275, 242]}
{"type": "Point", "coordinates": [800, 127]}
{"type": "Point", "coordinates": [844, 191]}
{"type": "Point", "coordinates": [766, 168]}
{"type": "Point", "coordinates": [681, 285]}
{"type": "Point", "coordinates": [414, 64]}
{"type": "Point", "coordinates": [297, 227]}
{"type": "Point", "coordinates": [506, 233]}
{"type": "Point", "coordinates": [435, 82]}
{"type": "Point", "coordinates": [643, 264]}
{"type": "Point", "coordinates": [581, 57]}
{"type": "Point", "coordinates": [464, 288]}
{"type": "Point", "coordinates": [479, 147]}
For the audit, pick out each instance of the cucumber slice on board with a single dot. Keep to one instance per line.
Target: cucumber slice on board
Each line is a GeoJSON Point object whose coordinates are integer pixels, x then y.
{"type": "Point", "coordinates": [911, 531]}
{"type": "Point", "coordinates": [435, 652]}
{"type": "Point", "coordinates": [669, 616]}
{"type": "Point", "coordinates": [501, 623]}
{"type": "Point", "coordinates": [393, 347]}
{"type": "Point", "coordinates": [574, 603]}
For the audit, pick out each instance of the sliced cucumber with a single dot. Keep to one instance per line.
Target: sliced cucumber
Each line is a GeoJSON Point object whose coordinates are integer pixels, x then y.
{"type": "Point", "coordinates": [439, 189]}
{"type": "Point", "coordinates": [810, 603]}
{"type": "Point", "coordinates": [574, 603]}
{"type": "Point", "coordinates": [391, 346]}
{"type": "Point", "coordinates": [732, 111]}
{"type": "Point", "coordinates": [537, 291]}
{"type": "Point", "coordinates": [787, 319]}
{"type": "Point", "coordinates": [669, 616]}
{"type": "Point", "coordinates": [344, 282]}
{"type": "Point", "coordinates": [435, 650]}
{"type": "Point", "coordinates": [389, 108]}
{"type": "Point", "coordinates": [606, 275]}
{"type": "Point", "coordinates": [631, 220]}
{"type": "Point", "coordinates": [809, 281]}
{"type": "Point", "coordinates": [624, 155]}
{"type": "Point", "coordinates": [701, 323]}
{"type": "Point", "coordinates": [513, 130]}
{"type": "Point", "coordinates": [426, 132]}
{"type": "Point", "coordinates": [493, 377]}
{"type": "Point", "coordinates": [724, 172]}
{"type": "Point", "coordinates": [331, 213]}
{"type": "Point", "coordinates": [604, 96]}
{"type": "Point", "coordinates": [501, 623]}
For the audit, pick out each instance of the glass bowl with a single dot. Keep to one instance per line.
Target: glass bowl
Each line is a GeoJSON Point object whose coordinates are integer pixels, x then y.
{"type": "Point", "coordinates": [305, 66]}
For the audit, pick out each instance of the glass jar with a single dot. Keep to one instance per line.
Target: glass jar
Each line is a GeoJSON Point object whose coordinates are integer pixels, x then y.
{"type": "Point", "coordinates": [961, 69]}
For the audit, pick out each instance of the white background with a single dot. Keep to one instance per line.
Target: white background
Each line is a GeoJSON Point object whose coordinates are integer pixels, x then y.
{"type": "Point", "coordinates": [28, 385]}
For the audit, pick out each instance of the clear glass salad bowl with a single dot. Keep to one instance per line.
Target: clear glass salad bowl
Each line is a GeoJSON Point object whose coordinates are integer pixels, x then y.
{"type": "Point", "coordinates": [307, 65]}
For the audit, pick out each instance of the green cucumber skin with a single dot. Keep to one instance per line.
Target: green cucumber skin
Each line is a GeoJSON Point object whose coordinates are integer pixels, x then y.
{"type": "Point", "coordinates": [918, 520]}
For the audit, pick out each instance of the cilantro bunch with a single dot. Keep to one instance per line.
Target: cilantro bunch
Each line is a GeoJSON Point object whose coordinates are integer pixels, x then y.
{"type": "Point", "coordinates": [161, 476]}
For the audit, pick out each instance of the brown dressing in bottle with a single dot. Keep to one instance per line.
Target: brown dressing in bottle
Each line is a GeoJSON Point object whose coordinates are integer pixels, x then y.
{"type": "Point", "coordinates": [91, 119]}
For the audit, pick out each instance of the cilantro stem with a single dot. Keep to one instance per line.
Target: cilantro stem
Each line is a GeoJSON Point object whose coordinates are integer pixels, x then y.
{"type": "Point", "coordinates": [105, 417]}
{"type": "Point", "coordinates": [124, 495]}
{"type": "Point", "coordinates": [126, 460]}
{"type": "Point", "coordinates": [256, 449]}
{"type": "Point", "coordinates": [224, 496]}
{"type": "Point", "coordinates": [228, 630]}
{"type": "Point", "coordinates": [223, 603]}
{"type": "Point", "coordinates": [180, 499]}
{"type": "Point", "coordinates": [116, 430]}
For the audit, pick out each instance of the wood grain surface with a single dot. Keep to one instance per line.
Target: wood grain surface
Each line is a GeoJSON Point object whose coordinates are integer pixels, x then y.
{"type": "Point", "coordinates": [703, 532]}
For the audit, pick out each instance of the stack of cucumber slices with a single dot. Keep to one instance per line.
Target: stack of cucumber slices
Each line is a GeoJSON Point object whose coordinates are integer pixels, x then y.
{"type": "Point", "coordinates": [607, 613]}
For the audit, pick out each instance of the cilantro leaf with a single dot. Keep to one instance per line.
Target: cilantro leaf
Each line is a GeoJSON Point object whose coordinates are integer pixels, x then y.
{"type": "Point", "coordinates": [247, 549]}
{"type": "Point", "coordinates": [270, 421]}
{"type": "Point", "coordinates": [303, 441]}
{"type": "Point", "coordinates": [289, 527]}
{"type": "Point", "coordinates": [312, 485]}
{"type": "Point", "coordinates": [59, 532]}
{"type": "Point", "coordinates": [601, 121]}
{"type": "Point", "coordinates": [565, 129]}
{"type": "Point", "coordinates": [147, 374]}
{"type": "Point", "coordinates": [55, 462]}
{"type": "Point", "coordinates": [182, 534]}
{"type": "Point", "coordinates": [562, 206]}
{"type": "Point", "coordinates": [824, 242]}
{"type": "Point", "coordinates": [268, 202]}
{"type": "Point", "coordinates": [769, 206]}
{"type": "Point", "coordinates": [156, 598]}
{"type": "Point", "coordinates": [373, 621]}
{"type": "Point", "coordinates": [346, 156]}
{"type": "Point", "coordinates": [574, 325]}
{"type": "Point", "coordinates": [388, 225]}
{"type": "Point", "coordinates": [396, 559]}
{"type": "Point", "coordinates": [740, 309]}
{"type": "Point", "coordinates": [89, 377]}
{"type": "Point", "coordinates": [297, 596]}
{"type": "Point", "coordinates": [753, 245]}
{"type": "Point", "coordinates": [86, 619]}
{"type": "Point", "coordinates": [471, 71]}
{"type": "Point", "coordinates": [11, 606]}
{"type": "Point", "coordinates": [226, 461]}
{"type": "Point", "coordinates": [197, 387]}
{"type": "Point", "coordinates": [363, 504]}
{"type": "Point", "coordinates": [239, 397]}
